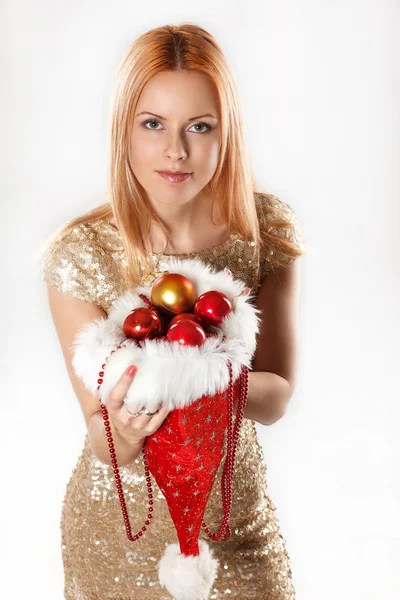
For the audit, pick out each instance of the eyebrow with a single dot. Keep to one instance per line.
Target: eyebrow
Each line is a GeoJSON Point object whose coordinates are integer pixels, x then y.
{"type": "Point", "coordinates": [146, 112]}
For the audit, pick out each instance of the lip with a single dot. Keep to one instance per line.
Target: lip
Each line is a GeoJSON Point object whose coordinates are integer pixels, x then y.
{"type": "Point", "coordinates": [174, 176]}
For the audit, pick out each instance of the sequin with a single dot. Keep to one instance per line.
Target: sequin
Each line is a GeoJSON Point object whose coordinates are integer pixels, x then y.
{"type": "Point", "coordinates": [99, 561]}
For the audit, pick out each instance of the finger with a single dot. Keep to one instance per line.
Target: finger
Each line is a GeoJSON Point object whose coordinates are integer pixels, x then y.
{"type": "Point", "coordinates": [144, 421]}
{"type": "Point", "coordinates": [156, 421]}
{"type": "Point", "coordinates": [119, 391]}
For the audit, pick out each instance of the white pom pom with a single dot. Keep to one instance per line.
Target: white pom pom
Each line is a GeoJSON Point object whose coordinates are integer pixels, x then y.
{"type": "Point", "coordinates": [188, 577]}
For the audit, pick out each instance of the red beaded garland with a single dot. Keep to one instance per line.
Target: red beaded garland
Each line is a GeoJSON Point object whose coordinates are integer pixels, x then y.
{"type": "Point", "coordinates": [227, 473]}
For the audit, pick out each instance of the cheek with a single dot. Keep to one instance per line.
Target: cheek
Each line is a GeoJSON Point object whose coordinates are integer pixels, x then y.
{"type": "Point", "coordinates": [143, 152]}
{"type": "Point", "coordinates": [205, 154]}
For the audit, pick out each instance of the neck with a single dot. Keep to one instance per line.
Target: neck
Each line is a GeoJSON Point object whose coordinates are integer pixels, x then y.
{"type": "Point", "coordinates": [187, 224]}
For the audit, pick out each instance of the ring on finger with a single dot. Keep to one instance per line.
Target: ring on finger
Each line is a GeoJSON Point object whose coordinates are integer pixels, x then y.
{"type": "Point", "coordinates": [141, 412]}
{"type": "Point", "coordinates": [137, 414]}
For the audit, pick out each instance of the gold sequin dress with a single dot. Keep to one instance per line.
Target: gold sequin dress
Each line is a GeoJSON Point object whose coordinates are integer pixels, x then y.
{"type": "Point", "coordinates": [99, 561]}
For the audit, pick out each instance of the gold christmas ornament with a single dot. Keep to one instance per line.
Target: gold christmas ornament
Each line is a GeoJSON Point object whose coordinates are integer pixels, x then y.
{"type": "Point", "coordinates": [173, 294]}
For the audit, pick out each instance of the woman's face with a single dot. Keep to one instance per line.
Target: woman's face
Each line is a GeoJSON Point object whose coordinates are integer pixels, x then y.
{"type": "Point", "coordinates": [174, 140]}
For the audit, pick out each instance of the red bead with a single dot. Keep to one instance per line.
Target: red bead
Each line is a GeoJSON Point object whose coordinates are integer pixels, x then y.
{"type": "Point", "coordinates": [233, 431]}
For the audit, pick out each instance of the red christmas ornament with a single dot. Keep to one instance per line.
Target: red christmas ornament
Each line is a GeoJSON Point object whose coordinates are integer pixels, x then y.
{"type": "Point", "coordinates": [172, 294]}
{"type": "Point", "coordinates": [187, 333]}
{"type": "Point", "coordinates": [184, 455]}
{"type": "Point", "coordinates": [212, 307]}
{"type": "Point", "coordinates": [183, 317]}
{"type": "Point", "coordinates": [142, 323]}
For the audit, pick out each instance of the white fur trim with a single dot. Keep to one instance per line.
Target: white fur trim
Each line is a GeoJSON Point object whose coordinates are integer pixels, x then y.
{"type": "Point", "coordinates": [188, 577]}
{"type": "Point", "coordinates": [169, 373]}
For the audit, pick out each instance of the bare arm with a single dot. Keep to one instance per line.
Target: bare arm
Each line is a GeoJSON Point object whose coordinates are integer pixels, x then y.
{"type": "Point", "coordinates": [272, 380]}
{"type": "Point", "coordinates": [69, 315]}
{"type": "Point", "coordinates": [129, 433]}
{"type": "Point", "coordinates": [125, 452]}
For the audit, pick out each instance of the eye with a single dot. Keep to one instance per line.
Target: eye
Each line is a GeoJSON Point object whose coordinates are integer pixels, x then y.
{"type": "Point", "coordinates": [149, 121]}
{"type": "Point", "coordinates": [206, 125]}
{"type": "Point", "coordinates": [203, 125]}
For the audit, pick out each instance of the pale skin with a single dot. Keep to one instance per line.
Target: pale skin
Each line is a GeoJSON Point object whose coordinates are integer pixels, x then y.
{"type": "Point", "coordinates": [176, 141]}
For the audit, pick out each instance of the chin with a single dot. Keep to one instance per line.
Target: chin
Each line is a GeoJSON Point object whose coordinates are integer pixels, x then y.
{"type": "Point", "coordinates": [164, 195]}
{"type": "Point", "coordinates": [174, 199]}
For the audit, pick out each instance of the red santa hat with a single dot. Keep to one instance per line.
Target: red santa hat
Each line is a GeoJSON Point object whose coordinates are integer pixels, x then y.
{"type": "Point", "coordinates": [199, 385]}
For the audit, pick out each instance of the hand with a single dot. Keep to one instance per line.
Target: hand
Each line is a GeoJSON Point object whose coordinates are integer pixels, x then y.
{"type": "Point", "coordinates": [132, 430]}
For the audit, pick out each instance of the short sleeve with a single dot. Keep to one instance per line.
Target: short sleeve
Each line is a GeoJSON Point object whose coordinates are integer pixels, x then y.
{"type": "Point", "coordinates": [73, 265]}
{"type": "Point", "coordinates": [291, 232]}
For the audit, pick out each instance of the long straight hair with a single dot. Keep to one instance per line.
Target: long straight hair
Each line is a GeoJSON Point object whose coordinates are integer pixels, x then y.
{"type": "Point", "coordinates": [185, 47]}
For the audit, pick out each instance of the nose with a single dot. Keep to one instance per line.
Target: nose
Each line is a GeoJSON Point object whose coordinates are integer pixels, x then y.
{"type": "Point", "coordinates": [176, 148]}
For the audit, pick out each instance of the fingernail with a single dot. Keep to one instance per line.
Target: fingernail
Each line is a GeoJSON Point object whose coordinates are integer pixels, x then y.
{"type": "Point", "coordinates": [131, 370]}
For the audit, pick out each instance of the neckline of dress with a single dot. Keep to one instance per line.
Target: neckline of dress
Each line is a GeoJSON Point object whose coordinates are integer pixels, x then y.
{"type": "Point", "coordinates": [195, 253]}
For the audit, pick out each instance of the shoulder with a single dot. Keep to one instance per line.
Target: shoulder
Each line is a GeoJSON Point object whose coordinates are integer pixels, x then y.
{"type": "Point", "coordinates": [277, 216]}
{"type": "Point", "coordinates": [271, 208]}
{"type": "Point", "coordinates": [69, 248]}
{"type": "Point", "coordinates": [279, 230]}
{"type": "Point", "coordinates": [78, 262]}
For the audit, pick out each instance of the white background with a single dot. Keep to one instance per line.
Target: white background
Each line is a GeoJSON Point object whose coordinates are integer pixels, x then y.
{"type": "Point", "coordinates": [319, 83]}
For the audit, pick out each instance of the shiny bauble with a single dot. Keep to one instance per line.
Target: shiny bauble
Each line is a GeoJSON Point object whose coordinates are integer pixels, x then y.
{"type": "Point", "coordinates": [212, 307]}
{"type": "Point", "coordinates": [183, 317]}
{"type": "Point", "coordinates": [142, 323]}
{"type": "Point", "coordinates": [172, 294]}
{"type": "Point", "coordinates": [187, 333]}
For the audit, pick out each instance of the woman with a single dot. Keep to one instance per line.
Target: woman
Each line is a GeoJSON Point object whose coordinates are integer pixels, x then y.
{"type": "Point", "coordinates": [175, 109]}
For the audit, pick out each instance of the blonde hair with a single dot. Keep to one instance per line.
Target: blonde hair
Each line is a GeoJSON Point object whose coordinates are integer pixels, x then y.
{"type": "Point", "coordinates": [179, 48]}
